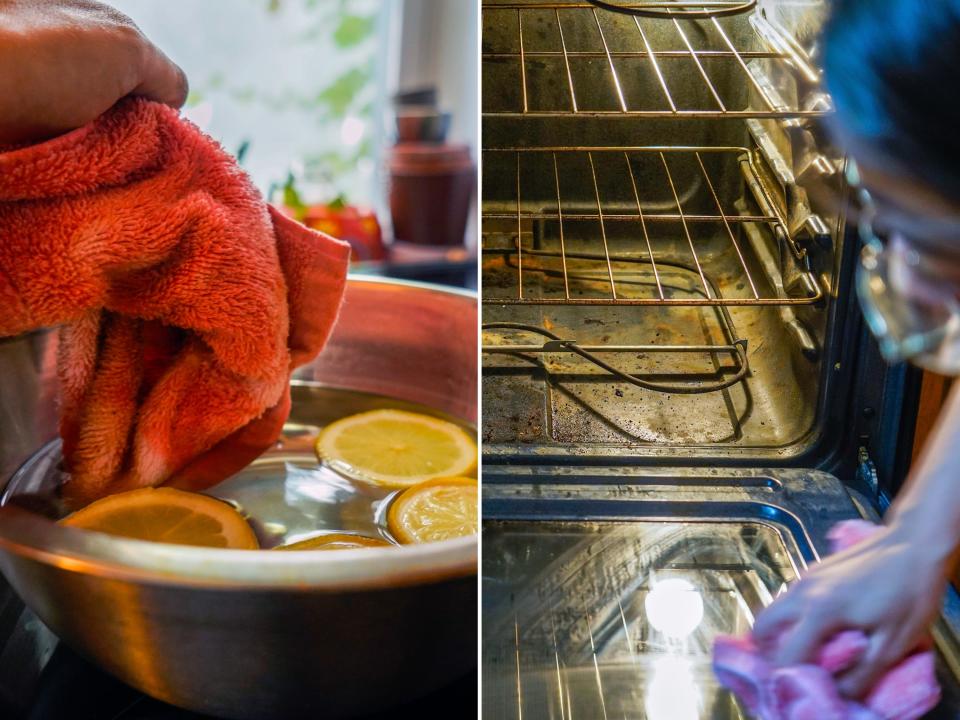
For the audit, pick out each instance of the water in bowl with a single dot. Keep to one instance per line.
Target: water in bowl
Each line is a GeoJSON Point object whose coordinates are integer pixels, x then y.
{"type": "Point", "coordinates": [287, 495]}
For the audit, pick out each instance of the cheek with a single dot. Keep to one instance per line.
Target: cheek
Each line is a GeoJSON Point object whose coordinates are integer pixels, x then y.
{"type": "Point", "coordinates": [929, 282]}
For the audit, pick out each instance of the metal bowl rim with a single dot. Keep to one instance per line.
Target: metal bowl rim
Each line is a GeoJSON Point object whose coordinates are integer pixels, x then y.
{"type": "Point", "coordinates": [37, 538]}
{"type": "Point", "coordinates": [414, 284]}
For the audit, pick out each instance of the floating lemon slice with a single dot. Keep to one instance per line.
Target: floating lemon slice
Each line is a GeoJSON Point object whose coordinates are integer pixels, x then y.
{"type": "Point", "coordinates": [438, 509]}
{"type": "Point", "coordinates": [336, 541]}
{"type": "Point", "coordinates": [395, 448]}
{"type": "Point", "coordinates": [168, 516]}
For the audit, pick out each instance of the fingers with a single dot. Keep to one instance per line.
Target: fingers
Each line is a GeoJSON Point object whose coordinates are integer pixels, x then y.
{"type": "Point", "coordinates": [806, 637]}
{"type": "Point", "coordinates": [161, 79]}
{"type": "Point", "coordinates": [883, 651]}
{"type": "Point", "coordinates": [888, 646]}
{"type": "Point", "coordinates": [794, 628]}
{"type": "Point", "coordinates": [782, 612]}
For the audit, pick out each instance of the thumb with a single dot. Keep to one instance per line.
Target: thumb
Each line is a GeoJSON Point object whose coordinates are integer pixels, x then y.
{"type": "Point", "coordinates": [161, 79]}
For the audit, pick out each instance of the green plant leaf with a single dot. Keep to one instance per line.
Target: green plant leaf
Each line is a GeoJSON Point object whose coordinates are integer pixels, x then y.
{"type": "Point", "coordinates": [353, 30]}
{"type": "Point", "coordinates": [242, 150]}
{"type": "Point", "coordinates": [339, 95]}
{"type": "Point", "coordinates": [291, 198]}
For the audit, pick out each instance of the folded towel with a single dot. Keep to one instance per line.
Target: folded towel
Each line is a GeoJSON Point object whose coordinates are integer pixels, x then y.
{"type": "Point", "coordinates": [809, 692]}
{"type": "Point", "coordinates": [184, 300]}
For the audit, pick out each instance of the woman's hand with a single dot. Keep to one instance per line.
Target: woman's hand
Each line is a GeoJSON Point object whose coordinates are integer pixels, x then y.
{"type": "Point", "coordinates": [888, 586]}
{"type": "Point", "coordinates": [64, 62]}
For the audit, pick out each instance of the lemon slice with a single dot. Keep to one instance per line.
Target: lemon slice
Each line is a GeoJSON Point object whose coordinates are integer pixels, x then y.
{"type": "Point", "coordinates": [438, 509]}
{"type": "Point", "coordinates": [336, 541]}
{"type": "Point", "coordinates": [395, 448]}
{"type": "Point", "coordinates": [168, 516]}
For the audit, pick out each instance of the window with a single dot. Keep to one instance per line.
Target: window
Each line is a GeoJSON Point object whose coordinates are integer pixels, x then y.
{"type": "Point", "coordinates": [289, 86]}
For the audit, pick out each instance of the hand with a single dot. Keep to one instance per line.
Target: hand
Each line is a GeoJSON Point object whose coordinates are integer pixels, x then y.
{"type": "Point", "coordinates": [64, 62]}
{"type": "Point", "coordinates": [888, 586]}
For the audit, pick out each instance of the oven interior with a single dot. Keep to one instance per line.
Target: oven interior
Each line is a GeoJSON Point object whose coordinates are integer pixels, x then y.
{"type": "Point", "coordinates": [662, 235]}
{"type": "Point", "coordinates": [665, 271]}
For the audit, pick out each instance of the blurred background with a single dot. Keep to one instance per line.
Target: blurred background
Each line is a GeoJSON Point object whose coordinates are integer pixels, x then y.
{"type": "Point", "coordinates": [307, 93]}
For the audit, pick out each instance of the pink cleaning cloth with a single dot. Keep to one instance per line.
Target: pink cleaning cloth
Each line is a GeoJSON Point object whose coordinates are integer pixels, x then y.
{"type": "Point", "coordinates": [809, 692]}
{"type": "Point", "coordinates": [184, 301]}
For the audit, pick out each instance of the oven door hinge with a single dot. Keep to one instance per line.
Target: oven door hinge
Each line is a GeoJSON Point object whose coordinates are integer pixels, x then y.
{"type": "Point", "coordinates": [867, 472]}
{"type": "Point", "coordinates": [813, 233]}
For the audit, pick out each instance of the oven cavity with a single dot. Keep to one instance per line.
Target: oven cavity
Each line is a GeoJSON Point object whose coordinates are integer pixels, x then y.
{"type": "Point", "coordinates": [655, 274]}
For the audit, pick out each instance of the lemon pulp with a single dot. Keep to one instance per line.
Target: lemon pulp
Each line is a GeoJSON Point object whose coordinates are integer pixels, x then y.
{"type": "Point", "coordinates": [169, 516]}
{"type": "Point", "coordinates": [439, 509]}
{"type": "Point", "coordinates": [396, 448]}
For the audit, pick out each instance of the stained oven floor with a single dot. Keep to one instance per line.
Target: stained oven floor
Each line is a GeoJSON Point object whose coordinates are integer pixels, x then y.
{"type": "Point", "coordinates": [560, 400]}
{"type": "Point", "coordinates": [560, 397]}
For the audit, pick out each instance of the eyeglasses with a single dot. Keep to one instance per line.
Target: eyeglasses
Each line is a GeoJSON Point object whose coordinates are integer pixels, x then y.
{"type": "Point", "coordinates": [914, 314]}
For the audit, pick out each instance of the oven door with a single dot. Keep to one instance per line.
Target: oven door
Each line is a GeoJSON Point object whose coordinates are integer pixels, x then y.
{"type": "Point", "coordinates": [603, 589]}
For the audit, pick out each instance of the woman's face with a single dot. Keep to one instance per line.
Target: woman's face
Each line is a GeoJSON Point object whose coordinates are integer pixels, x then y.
{"type": "Point", "coordinates": [906, 206]}
{"type": "Point", "coordinates": [909, 284]}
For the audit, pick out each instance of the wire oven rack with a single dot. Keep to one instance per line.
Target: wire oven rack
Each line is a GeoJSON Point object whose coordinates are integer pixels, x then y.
{"type": "Point", "coordinates": [655, 232]}
{"type": "Point", "coordinates": [718, 8]}
{"type": "Point", "coordinates": [606, 212]}
{"type": "Point", "coordinates": [559, 59]}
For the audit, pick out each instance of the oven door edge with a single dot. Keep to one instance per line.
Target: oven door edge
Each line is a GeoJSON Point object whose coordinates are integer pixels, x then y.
{"type": "Point", "coordinates": [807, 502]}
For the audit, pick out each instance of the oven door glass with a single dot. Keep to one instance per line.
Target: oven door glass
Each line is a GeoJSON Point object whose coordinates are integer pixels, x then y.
{"type": "Point", "coordinates": [617, 619]}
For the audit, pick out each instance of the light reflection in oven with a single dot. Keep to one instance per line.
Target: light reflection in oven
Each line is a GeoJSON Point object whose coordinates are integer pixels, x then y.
{"type": "Point", "coordinates": [673, 693]}
{"type": "Point", "coordinates": [616, 619]}
{"type": "Point", "coordinates": [674, 607]}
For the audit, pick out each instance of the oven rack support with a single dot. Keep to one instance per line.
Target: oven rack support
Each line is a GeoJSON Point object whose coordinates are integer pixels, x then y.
{"type": "Point", "coordinates": [723, 218]}
{"type": "Point", "coordinates": [525, 53]}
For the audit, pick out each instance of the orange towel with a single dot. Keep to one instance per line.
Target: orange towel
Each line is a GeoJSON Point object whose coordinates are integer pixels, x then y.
{"type": "Point", "coordinates": [185, 302]}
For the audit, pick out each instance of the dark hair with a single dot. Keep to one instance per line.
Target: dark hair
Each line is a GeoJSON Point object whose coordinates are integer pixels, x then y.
{"type": "Point", "coordinates": [893, 69]}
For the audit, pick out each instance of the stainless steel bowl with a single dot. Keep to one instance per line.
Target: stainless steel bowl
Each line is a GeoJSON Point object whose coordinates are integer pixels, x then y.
{"type": "Point", "coordinates": [278, 635]}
